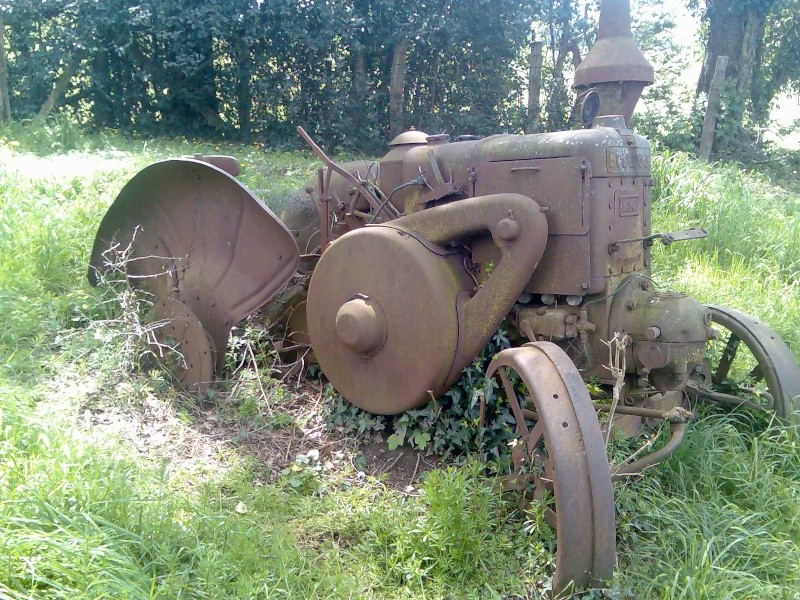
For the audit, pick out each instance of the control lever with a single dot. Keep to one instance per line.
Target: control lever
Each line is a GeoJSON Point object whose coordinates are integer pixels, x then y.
{"type": "Point", "coordinates": [695, 233]}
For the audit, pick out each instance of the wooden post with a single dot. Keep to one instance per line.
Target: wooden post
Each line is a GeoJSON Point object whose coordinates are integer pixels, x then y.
{"type": "Point", "coordinates": [712, 106]}
{"type": "Point", "coordinates": [397, 87]}
{"type": "Point", "coordinates": [534, 88]}
{"type": "Point", "coordinates": [5, 104]}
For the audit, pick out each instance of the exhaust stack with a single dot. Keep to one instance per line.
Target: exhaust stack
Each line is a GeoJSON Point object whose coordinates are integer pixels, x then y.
{"type": "Point", "coordinates": [614, 67]}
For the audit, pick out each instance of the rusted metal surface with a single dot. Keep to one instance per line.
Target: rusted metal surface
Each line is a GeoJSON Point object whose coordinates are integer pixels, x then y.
{"type": "Point", "coordinates": [371, 327]}
{"type": "Point", "coordinates": [668, 331]}
{"type": "Point", "coordinates": [615, 67]}
{"type": "Point", "coordinates": [181, 342]}
{"type": "Point", "coordinates": [672, 415]}
{"type": "Point", "coordinates": [229, 164]}
{"type": "Point", "coordinates": [199, 237]}
{"type": "Point", "coordinates": [518, 229]}
{"type": "Point", "coordinates": [677, 433]}
{"type": "Point", "coordinates": [563, 456]}
{"type": "Point", "coordinates": [396, 372]}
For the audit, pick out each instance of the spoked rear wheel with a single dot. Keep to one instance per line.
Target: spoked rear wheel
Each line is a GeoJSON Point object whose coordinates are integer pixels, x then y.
{"type": "Point", "coordinates": [748, 363]}
{"type": "Point", "coordinates": [563, 456]}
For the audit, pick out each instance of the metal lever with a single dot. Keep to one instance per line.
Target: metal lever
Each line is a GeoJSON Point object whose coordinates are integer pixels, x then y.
{"type": "Point", "coordinates": [332, 166]}
{"type": "Point", "coordinates": [695, 233]}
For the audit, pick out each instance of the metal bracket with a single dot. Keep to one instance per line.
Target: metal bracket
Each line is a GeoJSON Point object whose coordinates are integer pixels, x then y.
{"type": "Point", "coordinates": [439, 192]}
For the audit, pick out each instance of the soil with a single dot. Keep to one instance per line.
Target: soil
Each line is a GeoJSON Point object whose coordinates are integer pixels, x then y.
{"type": "Point", "coordinates": [400, 468]}
{"type": "Point", "coordinates": [195, 438]}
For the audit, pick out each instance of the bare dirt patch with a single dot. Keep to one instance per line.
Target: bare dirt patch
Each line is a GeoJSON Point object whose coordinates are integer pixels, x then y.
{"type": "Point", "coordinates": [211, 437]}
{"type": "Point", "coordinates": [401, 468]}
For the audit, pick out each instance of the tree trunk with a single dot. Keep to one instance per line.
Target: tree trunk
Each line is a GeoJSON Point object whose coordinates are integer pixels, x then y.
{"type": "Point", "coordinates": [59, 88]}
{"type": "Point", "coordinates": [724, 38]}
{"type": "Point", "coordinates": [201, 86]}
{"type": "Point", "coordinates": [244, 100]}
{"type": "Point", "coordinates": [397, 87]}
{"type": "Point", "coordinates": [359, 119]}
{"type": "Point", "coordinates": [754, 24]}
{"type": "Point", "coordinates": [534, 88]}
{"type": "Point", "coordinates": [710, 122]}
{"type": "Point", "coordinates": [759, 98]}
{"type": "Point", "coordinates": [433, 83]}
{"type": "Point", "coordinates": [5, 104]}
{"type": "Point", "coordinates": [101, 87]}
{"type": "Point", "coordinates": [559, 105]}
{"type": "Point", "coordinates": [736, 30]}
{"type": "Point", "coordinates": [360, 80]}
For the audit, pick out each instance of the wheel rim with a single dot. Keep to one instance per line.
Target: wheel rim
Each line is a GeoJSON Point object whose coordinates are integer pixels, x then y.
{"type": "Point", "coordinates": [750, 363]}
{"type": "Point", "coordinates": [566, 460]}
{"type": "Point", "coordinates": [182, 345]}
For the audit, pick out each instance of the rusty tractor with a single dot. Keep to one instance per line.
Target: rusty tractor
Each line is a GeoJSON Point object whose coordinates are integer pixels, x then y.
{"type": "Point", "coordinates": [396, 273]}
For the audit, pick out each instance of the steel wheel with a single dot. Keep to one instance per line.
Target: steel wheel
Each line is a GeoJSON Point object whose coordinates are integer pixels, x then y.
{"type": "Point", "coordinates": [563, 456]}
{"type": "Point", "coordinates": [182, 345]}
{"type": "Point", "coordinates": [748, 363]}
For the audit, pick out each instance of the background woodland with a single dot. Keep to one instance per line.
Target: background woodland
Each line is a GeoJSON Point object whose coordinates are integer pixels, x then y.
{"type": "Point", "coordinates": [356, 72]}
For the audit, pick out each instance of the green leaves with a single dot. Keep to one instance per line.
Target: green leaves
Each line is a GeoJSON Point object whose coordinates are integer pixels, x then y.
{"type": "Point", "coordinates": [395, 440]}
{"type": "Point", "coordinates": [248, 68]}
{"type": "Point", "coordinates": [449, 426]}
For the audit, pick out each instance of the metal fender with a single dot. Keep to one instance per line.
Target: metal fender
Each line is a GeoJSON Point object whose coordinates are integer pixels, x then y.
{"type": "Point", "coordinates": [191, 233]}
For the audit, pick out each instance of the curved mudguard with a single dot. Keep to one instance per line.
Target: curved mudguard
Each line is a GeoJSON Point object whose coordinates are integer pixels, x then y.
{"type": "Point", "coordinates": [190, 231]}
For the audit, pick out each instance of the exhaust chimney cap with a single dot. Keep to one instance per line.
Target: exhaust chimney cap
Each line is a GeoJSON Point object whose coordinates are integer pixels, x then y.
{"type": "Point", "coordinates": [614, 57]}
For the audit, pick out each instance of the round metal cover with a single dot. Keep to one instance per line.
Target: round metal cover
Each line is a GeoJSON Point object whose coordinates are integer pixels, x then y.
{"type": "Point", "coordinates": [410, 137]}
{"type": "Point", "coordinates": [413, 288]}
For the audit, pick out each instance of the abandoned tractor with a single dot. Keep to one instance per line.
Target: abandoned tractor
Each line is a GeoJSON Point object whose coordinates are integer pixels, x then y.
{"type": "Point", "coordinates": [396, 273]}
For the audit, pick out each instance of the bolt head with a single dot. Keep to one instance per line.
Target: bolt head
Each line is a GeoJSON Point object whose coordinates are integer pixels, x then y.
{"type": "Point", "coordinates": [508, 229]}
{"type": "Point", "coordinates": [652, 333]}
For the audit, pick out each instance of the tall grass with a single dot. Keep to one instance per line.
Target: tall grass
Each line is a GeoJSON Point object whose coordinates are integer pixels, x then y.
{"type": "Point", "coordinates": [78, 521]}
{"type": "Point", "coordinates": [84, 515]}
{"type": "Point", "coordinates": [719, 519]}
{"type": "Point", "coordinates": [746, 216]}
{"type": "Point", "coordinates": [51, 207]}
{"type": "Point", "coordinates": [82, 521]}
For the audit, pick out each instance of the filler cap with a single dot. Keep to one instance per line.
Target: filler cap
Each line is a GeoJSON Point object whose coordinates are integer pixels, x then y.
{"type": "Point", "coordinates": [411, 136]}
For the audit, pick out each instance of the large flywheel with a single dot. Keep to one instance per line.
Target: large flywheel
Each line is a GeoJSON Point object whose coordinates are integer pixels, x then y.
{"type": "Point", "coordinates": [562, 456]}
{"type": "Point", "coordinates": [394, 314]}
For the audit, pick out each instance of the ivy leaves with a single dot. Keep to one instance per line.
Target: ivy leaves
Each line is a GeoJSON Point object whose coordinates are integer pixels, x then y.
{"type": "Point", "coordinates": [449, 426]}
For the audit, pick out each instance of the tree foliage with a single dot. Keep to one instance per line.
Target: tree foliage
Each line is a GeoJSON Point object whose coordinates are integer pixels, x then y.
{"type": "Point", "coordinates": [258, 68]}
{"type": "Point", "coordinates": [255, 69]}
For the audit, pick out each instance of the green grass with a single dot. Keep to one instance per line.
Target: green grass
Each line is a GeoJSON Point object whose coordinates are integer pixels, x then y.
{"type": "Point", "coordinates": [86, 514]}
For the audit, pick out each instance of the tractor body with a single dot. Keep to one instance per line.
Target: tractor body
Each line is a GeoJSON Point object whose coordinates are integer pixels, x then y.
{"type": "Point", "coordinates": [583, 276]}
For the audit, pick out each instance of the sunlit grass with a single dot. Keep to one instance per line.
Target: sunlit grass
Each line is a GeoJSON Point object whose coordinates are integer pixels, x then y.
{"type": "Point", "coordinates": [719, 519]}
{"type": "Point", "coordinates": [751, 257]}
